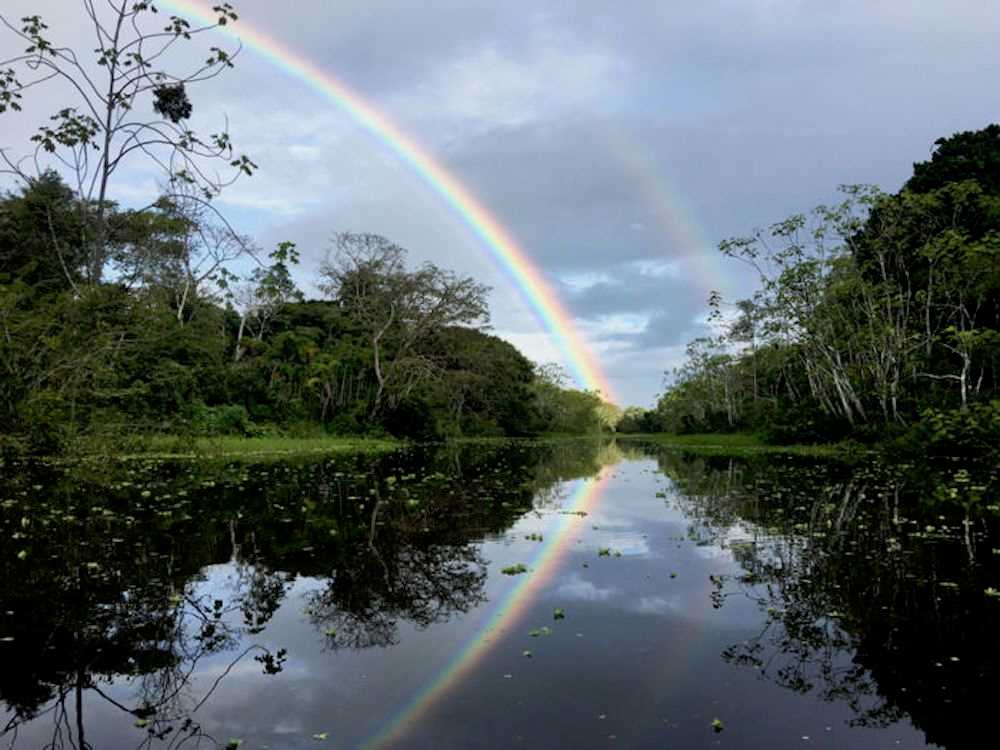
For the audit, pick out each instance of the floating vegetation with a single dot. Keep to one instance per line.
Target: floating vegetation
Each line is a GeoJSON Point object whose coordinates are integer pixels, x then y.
{"type": "Point", "coordinates": [513, 570]}
{"type": "Point", "coordinates": [131, 553]}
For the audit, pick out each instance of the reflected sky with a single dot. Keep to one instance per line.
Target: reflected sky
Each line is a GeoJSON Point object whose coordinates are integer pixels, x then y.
{"type": "Point", "coordinates": [620, 641]}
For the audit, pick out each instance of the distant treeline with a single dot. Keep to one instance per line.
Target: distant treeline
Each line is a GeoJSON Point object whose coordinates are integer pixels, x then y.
{"type": "Point", "coordinates": [159, 327]}
{"type": "Point", "coordinates": [877, 319]}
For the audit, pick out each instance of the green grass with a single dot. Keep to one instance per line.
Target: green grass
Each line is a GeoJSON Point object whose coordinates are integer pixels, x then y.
{"type": "Point", "coordinates": [546, 437]}
{"type": "Point", "coordinates": [168, 446]}
{"type": "Point", "coordinates": [171, 446]}
{"type": "Point", "coordinates": [732, 443]}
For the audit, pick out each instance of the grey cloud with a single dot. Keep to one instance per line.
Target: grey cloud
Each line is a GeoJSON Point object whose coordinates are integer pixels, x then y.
{"type": "Point", "coordinates": [630, 291]}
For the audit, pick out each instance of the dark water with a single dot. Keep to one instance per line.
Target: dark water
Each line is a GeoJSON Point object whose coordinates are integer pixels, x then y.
{"type": "Point", "coordinates": [675, 601]}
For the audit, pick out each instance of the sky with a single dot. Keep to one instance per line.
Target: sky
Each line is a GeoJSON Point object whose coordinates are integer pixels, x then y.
{"type": "Point", "coordinates": [618, 143]}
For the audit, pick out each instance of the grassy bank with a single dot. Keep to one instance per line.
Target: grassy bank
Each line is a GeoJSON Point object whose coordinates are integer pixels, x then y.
{"type": "Point", "coordinates": [170, 446]}
{"type": "Point", "coordinates": [708, 443]}
{"type": "Point", "coordinates": [173, 446]}
{"type": "Point", "coordinates": [732, 443]}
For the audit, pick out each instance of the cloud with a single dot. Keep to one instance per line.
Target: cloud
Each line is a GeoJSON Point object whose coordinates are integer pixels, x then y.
{"type": "Point", "coordinates": [581, 589]}
{"type": "Point", "coordinates": [491, 88]}
{"type": "Point", "coordinates": [659, 605]}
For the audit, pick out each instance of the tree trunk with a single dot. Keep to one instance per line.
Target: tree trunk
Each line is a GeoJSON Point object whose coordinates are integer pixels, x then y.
{"type": "Point", "coordinates": [239, 339]}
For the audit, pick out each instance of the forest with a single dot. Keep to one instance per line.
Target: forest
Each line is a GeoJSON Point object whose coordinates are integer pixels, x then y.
{"type": "Point", "coordinates": [875, 320]}
{"type": "Point", "coordinates": [119, 320]}
{"type": "Point", "coordinates": [171, 341]}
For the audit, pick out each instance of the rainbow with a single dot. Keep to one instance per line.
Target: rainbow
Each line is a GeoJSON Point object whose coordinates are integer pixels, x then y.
{"type": "Point", "coordinates": [508, 611]}
{"type": "Point", "coordinates": [511, 258]}
{"type": "Point", "coordinates": [666, 207]}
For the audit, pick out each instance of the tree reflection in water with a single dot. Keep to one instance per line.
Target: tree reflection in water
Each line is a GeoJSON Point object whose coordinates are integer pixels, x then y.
{"type": "Point", "coordinates": [108, 589]}
{"type": "Point", "coordinates": [862, 603]}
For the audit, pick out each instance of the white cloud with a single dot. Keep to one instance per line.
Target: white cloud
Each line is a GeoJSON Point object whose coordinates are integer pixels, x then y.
{"type": "Point", "coordinates": [584, 590]}
{"type": "Point", "coordinates": [658, 605]}
{"type": "Point", "coordinates": [491, 88]}
{"type": "Point", "coordinates": [578, 282]}
{"type": "Point", "coordinates": [657, 268]}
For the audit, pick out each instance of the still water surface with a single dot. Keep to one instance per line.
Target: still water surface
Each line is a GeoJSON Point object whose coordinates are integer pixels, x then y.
{"type": "Point", "coordinates": [668, 600]}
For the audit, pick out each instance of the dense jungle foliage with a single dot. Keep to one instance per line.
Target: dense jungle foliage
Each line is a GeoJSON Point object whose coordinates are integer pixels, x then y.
{"type": "Point", "coordinates": [122, 321]}
{"type": "Point", "coordinates": [875, 319]}
{"type": "Point", "coordinates": [172, 342]}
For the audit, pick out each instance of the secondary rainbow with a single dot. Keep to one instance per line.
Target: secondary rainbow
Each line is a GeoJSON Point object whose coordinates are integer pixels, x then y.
{"type": "Point", "coordinates": [689, 245]}
{"type": "Point", "coordinates": [511, 258]}
{"type": "Point", "coordinates": [507, 612]}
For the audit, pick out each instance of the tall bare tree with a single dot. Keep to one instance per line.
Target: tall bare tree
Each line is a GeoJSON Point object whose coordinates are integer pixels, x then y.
{"type": "Point", "coordinates": [397, 308]}
{"type": "Point", "coordinates": [126, 105]}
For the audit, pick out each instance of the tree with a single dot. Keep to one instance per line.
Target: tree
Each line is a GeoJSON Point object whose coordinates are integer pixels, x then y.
{"type": "Point", "coordinates": [969, 155]}
{"type": "Point", "coordinates": [104, 128]}
{"type": "Point", "coordinates": [567, 410]}
{"type": "Point", "coordinates": [40, 235]}
{"type": "Point", "coordinates": [269, 289]}
{"type": "Point", "coordinates": [396, 308]}
{"type": "Point", "coordinates": [180, 247]}
{"type": "Point", "coordinates": [485, 383]}
{"type": "Point", "coordinates": [871, 314]}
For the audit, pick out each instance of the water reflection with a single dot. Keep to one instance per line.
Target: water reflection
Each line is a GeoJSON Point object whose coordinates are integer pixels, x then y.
{"type": "Point", "coordinates": [105, 594]}
{"type": "Point", "coordinates": [132, 595]}
{"type": "Point", "coordinates": [871, 581]}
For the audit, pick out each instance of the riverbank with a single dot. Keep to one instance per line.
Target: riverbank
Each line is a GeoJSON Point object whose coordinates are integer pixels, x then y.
{"type": "Point", "coordinates": [228, 446]}
{"type": "Point", "coordinates": [734, 444]}
{"type": "Point", "coordinates": [169, 446]}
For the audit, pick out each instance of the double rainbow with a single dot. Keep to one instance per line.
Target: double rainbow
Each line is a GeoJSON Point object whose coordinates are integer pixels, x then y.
{"type": "Point", "coordinates": [512, 259]}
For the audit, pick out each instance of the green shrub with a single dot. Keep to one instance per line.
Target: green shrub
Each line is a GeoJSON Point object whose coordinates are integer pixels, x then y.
{"type": "Point", "coordinates": [972, 432]}
{"type": "Point", "coordinates": [413, 419]}
{"type": "Point", "coordinates": [213, 421]}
